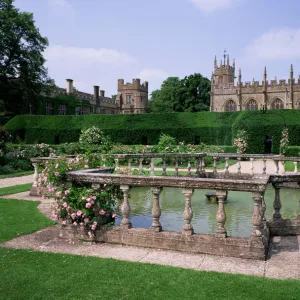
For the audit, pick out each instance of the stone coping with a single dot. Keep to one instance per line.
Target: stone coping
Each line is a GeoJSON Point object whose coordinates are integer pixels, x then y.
{"type": "Point", "coordinates": [247, 183]}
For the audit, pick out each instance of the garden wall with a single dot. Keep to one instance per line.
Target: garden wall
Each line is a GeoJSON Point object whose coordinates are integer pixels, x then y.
{"type": "Point", "coordinates": [205, 127]}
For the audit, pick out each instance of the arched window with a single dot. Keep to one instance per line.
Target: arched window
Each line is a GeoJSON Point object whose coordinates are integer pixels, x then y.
{"type": "Point", "coordinates": [230, 106]}
{"type": "Point", "coordinates": [298, 105]}
{"type": "Point", "coordinates": [252, 105]}
{"type": "Point", "coordinates": [277, 104]}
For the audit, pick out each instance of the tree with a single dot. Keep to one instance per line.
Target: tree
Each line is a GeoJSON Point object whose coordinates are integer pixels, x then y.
{"type": "Point", "coordinates": [23, 76]}
{"type": "Point", "coordinates": [188, 94]}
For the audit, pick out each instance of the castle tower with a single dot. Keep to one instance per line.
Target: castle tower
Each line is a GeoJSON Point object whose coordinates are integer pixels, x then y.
{"type": "Point", "coordinates": [223, 74]}
{"type": "Point", "coordinates": [132, 97]}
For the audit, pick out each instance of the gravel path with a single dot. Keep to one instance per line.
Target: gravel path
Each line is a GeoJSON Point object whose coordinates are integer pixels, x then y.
{"type": "Point", "coordinates": [4, 182]}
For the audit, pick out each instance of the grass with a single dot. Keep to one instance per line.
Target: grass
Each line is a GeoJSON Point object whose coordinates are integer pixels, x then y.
{"type": "Point", "coordinates": [15, 189]}
{"type": "Point", "coordinates": [17, 174]}
{"type": "Point", "coordinates": [38, 275]}
{"type": "Point", "coordinates": [289, 166]}
{"type": "Point", "coordinates": [19, 217]}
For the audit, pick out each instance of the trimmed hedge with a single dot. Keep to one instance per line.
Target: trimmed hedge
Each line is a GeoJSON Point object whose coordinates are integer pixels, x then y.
{"type": "Point", "coordinates": [205, 127]}
{"type": "Point", "coordinates": [293, 151]}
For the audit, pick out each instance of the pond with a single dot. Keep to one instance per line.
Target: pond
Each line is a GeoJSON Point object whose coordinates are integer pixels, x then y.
{"type": "Point", "coordinates": [239, 208]}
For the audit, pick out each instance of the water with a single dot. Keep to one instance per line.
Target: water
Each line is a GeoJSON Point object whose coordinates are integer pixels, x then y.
{"type": "Point", "coordinates": [239, 208]}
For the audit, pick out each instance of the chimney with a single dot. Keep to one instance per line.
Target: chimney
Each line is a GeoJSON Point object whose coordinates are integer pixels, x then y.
{"type": "Point", "coordinates": [102, 93]}
{"type": "Point", "coordinates": [69, 86]}
{"type": "Point", "coordinates": [96, 91]}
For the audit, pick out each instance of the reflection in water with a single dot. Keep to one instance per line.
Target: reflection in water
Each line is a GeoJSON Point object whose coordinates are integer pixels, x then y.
{"type": "Point", "coordinates": [239, 208]}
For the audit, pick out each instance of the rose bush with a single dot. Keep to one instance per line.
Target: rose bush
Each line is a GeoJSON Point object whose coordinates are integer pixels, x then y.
{"type": "Point", "coordinates": [241, 141]}
{"type": "Point", "coordinates": [80, 205]}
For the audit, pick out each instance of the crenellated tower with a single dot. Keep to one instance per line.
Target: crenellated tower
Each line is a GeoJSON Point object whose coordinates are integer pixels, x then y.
{"type": "Point", "coordinates": [224, 73]}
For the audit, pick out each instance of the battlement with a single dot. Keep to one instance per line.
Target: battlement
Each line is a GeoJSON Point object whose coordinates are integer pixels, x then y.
{"type": "Point", "coordinates": [135, 85]}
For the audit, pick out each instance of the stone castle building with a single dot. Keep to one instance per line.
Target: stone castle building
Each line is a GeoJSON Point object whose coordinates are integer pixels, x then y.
{"type": "Point", "coordinates": [132, 98]}
{"type": "Point", "coordinates": [226, 95]}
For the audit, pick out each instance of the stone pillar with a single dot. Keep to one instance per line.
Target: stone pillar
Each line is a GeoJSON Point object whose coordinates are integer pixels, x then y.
{"type": "Point", "coordinates": [264, 166]}
{"type": "Point", "coordinates": [176, 166]}
{"type": "Point", "coordinates": [34, 188]}
{"type": "Point", "coordinates": [277, 202]}
{"type": "Point", "coordinates": [152, 167]}
{"type": "Point", "coordinates": [125, 208]}
{"type": "Point", "coordinates": [226, 166]}
{"type": "Point", "coordinates": [221, 215]}
{"type": "Point", "coordinates": [215, 165]}
{"type": "Point", "coordinates": [252, 165]}
{"type": "Point", "coordinates": [257, 217]}
{"type": "Point", "coordinates": [156, 212]}
{"type": "Point", "coordinates": [239, 166]}
{"type": "Point", "coordinates": [141, 166]}
{"type": "Point", "coordinates": [188, 212]}
{"type": "Point", "coordinates": [164, 167]}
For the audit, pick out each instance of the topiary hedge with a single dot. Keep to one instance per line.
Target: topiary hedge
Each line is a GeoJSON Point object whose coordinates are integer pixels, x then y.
{"type": "Point", "coordinates": [293, 151]}
{"type": "Point", "coordinates": [205, 127]}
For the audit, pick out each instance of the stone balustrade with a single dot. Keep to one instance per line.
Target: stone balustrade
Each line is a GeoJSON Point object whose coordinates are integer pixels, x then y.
{"type": "Point", "coordinates": [197, 177]}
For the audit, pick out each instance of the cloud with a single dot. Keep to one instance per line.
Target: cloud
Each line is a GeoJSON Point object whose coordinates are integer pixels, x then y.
{"type": "Point", "coordinates": [209, 6]}
{"type": "Point", "coordinates": [76, 55]}
{"type": "Point", "coordinates": [149, 74]}
{"type": "Point", "coordinates": [275, 44]}
{"type": "Point", "coordinates": [89, 66]}
{"type": "Point", "coordinates": [155, 77]}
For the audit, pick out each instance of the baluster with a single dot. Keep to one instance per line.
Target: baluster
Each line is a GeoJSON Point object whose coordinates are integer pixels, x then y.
{"type": "Point", "coordinates": [189, 167]}
{"type": "Point", "coordinates": [198, 160]}
{"type": "Point", "coordinates": [221, 215]}
{"type": "Point", "coordinates": [117, 168]}
{"type": "Point", "coordinates": [36, 175]}
{"type": "Point", "coordinates": [176, 166]}
{"type": "Point", "coordinates": [283, 165]}
{"type": "Point", "coordinates": [188, 212]}
{"type": "Point", "coordinates": [265, 166]}
{"type": "Point", "coordinates": [141, 166]}
{"type": "Point", "coordinates": [263, 207]}
{"type": "Point", "coordinates": [125, 208]}
{"type": "Point", "coordinates": [295, 167]}
{"type": "Point", "coordinates": [277, 202]}
{"type": "Point", "coordinates": [156, 212]}
{"type": "Point", "coordinates": [239, 166]}
{"type": "Point", "coordinates": [215, 165]}
{"type": "Point", "coordinates": [152, 167]}
{"type": "Point", "coordinates": [164, 168]}
{"type": "Point", "coordinates": [277, 166]}
{"type": "Point", "coordinates": [129, 164]}
{"type": "Point", "coordinates": [226, 166]}
{"type": "Point", "coordinates": [257, 216]}
{"type": "Point", "coordinates": [252, 165]}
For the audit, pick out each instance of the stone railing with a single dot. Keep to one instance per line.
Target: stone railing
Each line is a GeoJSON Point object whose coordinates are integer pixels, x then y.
{"type": "Point", "coordinates": [187, 240]}
{"type": "Point", "coordinates": [198, 178]}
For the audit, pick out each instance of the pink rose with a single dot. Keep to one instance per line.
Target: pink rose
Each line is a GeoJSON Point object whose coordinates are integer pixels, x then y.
{"type": "Point", "coordinates": [94, 197]}
{"type": "Point", "coordinates": [65, 204]}
{"type": "Point", "coordinates": [86, 220]}
{"type": "Point", "coordinates": [58, 194]}
{"type": "Point", "coordinates": [114, 215]}
{"type": "Point", "coordinates": [67, 192]}
{"type": "Point", "coordinates": [83, 198]}
{"type": "Point", "coordinates": [90, 234]}
{"type": "Point", "coordinates": [102, 212]}
{"type": "Point", "coordinates": [56, 166]}
{"type": "Point", "coordinates": [79, 213]}
{"type": "Point", "coordinates": [86, 166]}
{"type": "Point", "coordinates": [88, 205]}
{"type": "Point", "coordinates": [75, 223]}
{"type": "Point", "coordinates": [56, 174]}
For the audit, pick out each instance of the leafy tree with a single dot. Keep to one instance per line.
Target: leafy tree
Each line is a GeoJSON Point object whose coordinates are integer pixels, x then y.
{"type": "Point", "coordinates": [23, 76]}
{"type": "Point", "coordinates": [188, 94]}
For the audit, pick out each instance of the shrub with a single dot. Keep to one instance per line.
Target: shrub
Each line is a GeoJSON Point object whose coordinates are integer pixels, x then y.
{"type": "Point", "coordinates": [284, 142]}
{"type": "Point", "coordinates": [93, 135]}
{"type": "Point", "coordinates": [77, 204]}
{"type": "Point", "coordinates": [293, 151]}
{"type": "Point", "coordinates": [241, 141]}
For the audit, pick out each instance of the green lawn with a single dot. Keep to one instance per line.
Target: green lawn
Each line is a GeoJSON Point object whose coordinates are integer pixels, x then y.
{"type": "Point", "coordinates": [33, 275]}
{"type": "Point", "coordinates": [17, 174]}
{"type": "Point", "coordinates": [19, 217]}
{"type": "Point", "coordinates": [289, 166]}
{"type": "Point", "coordinates": [14, 189]}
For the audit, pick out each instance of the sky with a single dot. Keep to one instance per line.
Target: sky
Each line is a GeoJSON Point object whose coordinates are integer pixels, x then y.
{"type": "Point", "coordinates": [96, 42]}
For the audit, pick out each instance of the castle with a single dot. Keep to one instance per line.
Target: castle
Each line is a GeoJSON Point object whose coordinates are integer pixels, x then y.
{"type": "Point", "coordinates": [132, 98]}
{"type": "Point", "coordinates": [225, 95]}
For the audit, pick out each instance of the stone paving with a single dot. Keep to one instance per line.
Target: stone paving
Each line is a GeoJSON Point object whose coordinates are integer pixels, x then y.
{"type": "Point", "coordinates": [5, 182]}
